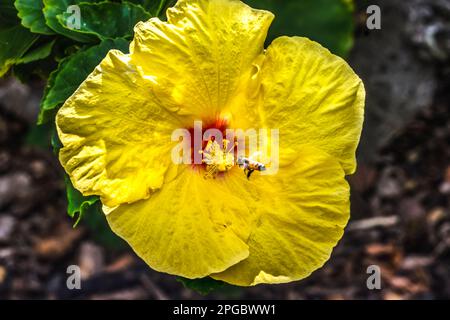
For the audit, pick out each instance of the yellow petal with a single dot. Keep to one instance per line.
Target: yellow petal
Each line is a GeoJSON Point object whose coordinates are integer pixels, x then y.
{"type": "Point", "coordinates": [193, 226]}
{"type": "Point", "coordinates": [203, 55]}
{"type": "Point", "coordinates": [302, 212]}
{"type": "Point", "coordinates": [115, 133]}
{"type": "Point", "coordinates": [313, 97]}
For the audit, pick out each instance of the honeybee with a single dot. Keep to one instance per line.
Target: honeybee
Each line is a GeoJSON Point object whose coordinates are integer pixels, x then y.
{"type": "Point", "coordinates": [250, 166]}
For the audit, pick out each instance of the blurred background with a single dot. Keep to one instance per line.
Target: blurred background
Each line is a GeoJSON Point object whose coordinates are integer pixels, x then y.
{"type": "Point", "coordinates": [400, 194]}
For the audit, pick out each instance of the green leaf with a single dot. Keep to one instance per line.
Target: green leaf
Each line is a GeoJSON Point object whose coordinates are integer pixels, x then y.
{"type": "Point", "coordinates": [155, 7]}
{"type": "Point", "coordinates": [53, 8]}
{"type": "Point", "coordinates": [203, 286]}
{"type": "Point", "coordinates": [41, 69]}
{"type": "Point", "coordinates": [36, 70]}
{"type": "Point", "coordinates": [95, 220]}
{"type": "Point", "coordinates": [39, 136]}
{"type": "Point", "coordinates": [167, 4]}
{"type": "Point", "coordinates": [329, 22]}
{"type": "Point", "coordinates": [77, 204]}
{"type": "Point", "coordinates": [89, 209]}
{"type": "Point", "coordinates": [8, 14]}
{"type": "Point", "coordinates": [108, 20]}
{"type": "Point", "coordinates": [30, 12]}
{"type": "Point", "coordinates": [71, 72]}
{"type": "Point", "coordinates": [56, 143]}
{"type": "Point", "coordinates": [38, 53]}
{"type": "Point", "coordinates": [14, 42]}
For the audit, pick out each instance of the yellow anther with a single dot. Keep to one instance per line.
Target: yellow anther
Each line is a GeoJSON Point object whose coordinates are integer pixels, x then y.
{"type": "Point", "coordinates": [217, 159]}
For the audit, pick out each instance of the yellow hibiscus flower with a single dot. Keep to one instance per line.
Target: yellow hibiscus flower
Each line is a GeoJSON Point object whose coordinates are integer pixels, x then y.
{"type": "Point", "coordinates": [208, 63]}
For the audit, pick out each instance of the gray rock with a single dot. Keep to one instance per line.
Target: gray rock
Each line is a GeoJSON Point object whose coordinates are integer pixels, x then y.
{"type": "Point", "coordinates": [390, 183]}
{"type": "Point", "coordinates": [21, 100]}
{"type": "Point", "coordinates": [7, 224]}
{"type": "Point", "coordinates": [14, 186]}
{"type": "Point", "coordinates": [429, 28]}
{"type": "Point", "coordinates": [91, 259]}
